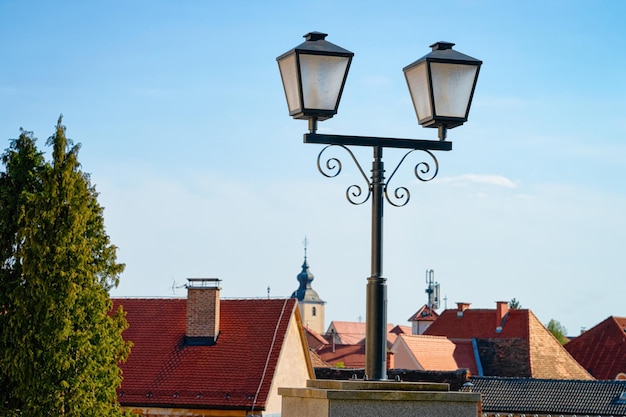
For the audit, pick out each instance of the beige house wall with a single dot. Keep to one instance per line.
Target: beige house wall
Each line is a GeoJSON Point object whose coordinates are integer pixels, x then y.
{"type": "Point", "coordinates": [419, 327]}
{"type": "Point", "coordinates": [294, 367]}
{"type": "Point", "coordinates": [403, 357]}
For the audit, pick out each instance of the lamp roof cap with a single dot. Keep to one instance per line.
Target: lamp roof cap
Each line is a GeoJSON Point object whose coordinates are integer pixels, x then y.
{"type": "Point", "coordinates": [443, 52]}
{"type": "Point", "coordinates": [315, 36]}
{"type": "Point", "coordinates": [442, 45]}
{"type": "Point", "coordinates": [316, 44]}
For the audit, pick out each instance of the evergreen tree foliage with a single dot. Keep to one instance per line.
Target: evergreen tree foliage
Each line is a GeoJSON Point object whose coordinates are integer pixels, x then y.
{"type": "Point", "coordinates": [514, 303]}
{"type": "Point", "coordinates": [60, 343]}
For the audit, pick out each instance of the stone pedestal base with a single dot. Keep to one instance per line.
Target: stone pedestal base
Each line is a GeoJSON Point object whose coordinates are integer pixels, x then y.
{"type": "Point", "coordinates": [328, 398]}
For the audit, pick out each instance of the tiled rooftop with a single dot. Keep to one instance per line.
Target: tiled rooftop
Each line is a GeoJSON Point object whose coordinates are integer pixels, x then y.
{"type": "Point", "coordinates": [438, 353]}
{"type": "Point", "coordinates": [314, 340]}
{"type": "Point", "coordinates": [235, 372]}
{"type": "Point", "coordinates": [512, 344]}
{"type": "Point", "coordinates": [480, 323]}
{"type": "Point", "coordinates": [551, 396]}
{"type": "Point", "coordinates": [351, 356]}
{"type": "Point", "coordinates": [425, 313]}
{"type": "Point", "coordinates": [602, 349]}
{"type": "Point", "coordinates": [351, 332]}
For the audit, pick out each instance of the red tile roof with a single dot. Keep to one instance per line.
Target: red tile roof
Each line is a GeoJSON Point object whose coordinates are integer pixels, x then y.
{"type": "Point", "coordinates": [424, 314]}
{"type": "Point", "coordinates": [602, 349]}
{"type": "Point", "coordinates": [351, 356]}
{"type": "Point", "coordinates": [393, 334]}
{"type": "Point", "coordinates": [400, 329]}
{"type": "Point", "coordinates": [234, 373]}
{"type": "Point", "coordinates": [347, 332]}
{"type": "Point", "coordinates": [350, 332]}
{"type": "Point", "coordinates": [543, 355]}
{"type": "Point", "coordinates": [314, 339]}
{"type": "Point", "coordinates": [480, 323]}
{"type": "Point", "coordinates": [317, 361]}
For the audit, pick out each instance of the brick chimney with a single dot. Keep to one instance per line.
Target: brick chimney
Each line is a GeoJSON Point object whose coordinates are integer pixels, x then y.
{"type": "Point", "coordinates": [203, 311]}
{"type": "Point", "coordinates": [502, 309]}
{"type": "Point", "coordinates": [461, 307]}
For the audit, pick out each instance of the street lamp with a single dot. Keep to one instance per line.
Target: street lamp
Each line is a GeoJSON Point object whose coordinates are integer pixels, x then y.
{"type": "Point", "coordinates": [314, 74]}
{"type": "Point", "coordinates": [441, 85]}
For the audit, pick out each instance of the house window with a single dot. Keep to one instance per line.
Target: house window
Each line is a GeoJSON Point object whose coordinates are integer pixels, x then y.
{"type": "Point", "coordinates": [313, 311]}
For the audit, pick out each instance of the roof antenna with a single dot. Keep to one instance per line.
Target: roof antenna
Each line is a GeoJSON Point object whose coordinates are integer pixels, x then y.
{"type": "Point", "coordinates": [432, 290]}
{"type": "Point", "coordinates": [175, 287]}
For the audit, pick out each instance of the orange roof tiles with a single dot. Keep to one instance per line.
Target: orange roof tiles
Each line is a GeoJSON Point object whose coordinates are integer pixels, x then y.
{"type": "Point", "coordinates": [400, 329]}
{"type": "Point", "coordinates": [602, 349]}
{"type": "Point", "coordinates": [317, 361]}
{"type": "Point", "coordinates": [438, 353]}
{"type": "Point", "coordinates": [425, 313]}
{"type": "Point", "coordinates": [350, 332]}
{"type": "Point", "coordinates": [234, 373]}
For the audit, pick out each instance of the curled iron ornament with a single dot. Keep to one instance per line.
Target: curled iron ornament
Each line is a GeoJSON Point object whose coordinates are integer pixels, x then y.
{"type": "Point", "coordinates": [422, 171]}
{"type": "Point", "coordinates": [401, 195]}
{"type": "Point", "coordinates": [332, 167]}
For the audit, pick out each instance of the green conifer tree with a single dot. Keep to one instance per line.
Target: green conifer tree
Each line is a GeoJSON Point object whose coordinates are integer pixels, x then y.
{"type": "Point", "coordinates": [60, 344]}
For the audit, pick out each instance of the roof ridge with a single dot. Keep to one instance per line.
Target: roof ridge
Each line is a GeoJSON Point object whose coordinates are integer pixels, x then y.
{"type": "Point", "coordinates": [621, 323]}
{"type": "Point", "coordinates": [562, 351]}
{"type": "Point", "coordinates": [423, 336]}
{"type": "Point", "coordinates": [589, 381]}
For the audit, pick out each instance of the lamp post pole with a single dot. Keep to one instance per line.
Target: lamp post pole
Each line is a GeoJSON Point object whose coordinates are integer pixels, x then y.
{"type": "Point", "coordinates": [376, 298]}
{"type": "Point", "coordinates": [441, 84]}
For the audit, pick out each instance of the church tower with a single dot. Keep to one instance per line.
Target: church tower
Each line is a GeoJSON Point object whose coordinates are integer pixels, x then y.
{"type": "Point", "coordinates": [309, 302]}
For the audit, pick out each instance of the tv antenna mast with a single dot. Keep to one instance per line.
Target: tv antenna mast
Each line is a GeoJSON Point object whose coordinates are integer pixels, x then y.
{"type": "Point", "coordinates": [432, 290]}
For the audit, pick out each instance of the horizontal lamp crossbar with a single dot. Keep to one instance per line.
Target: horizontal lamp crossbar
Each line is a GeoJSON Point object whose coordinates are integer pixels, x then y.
{"type": "Point", "coordinates": [420, 144]}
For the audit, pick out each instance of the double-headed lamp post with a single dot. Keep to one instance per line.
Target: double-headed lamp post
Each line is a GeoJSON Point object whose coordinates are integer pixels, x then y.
{"type": "Point", "coordinates": [441, 85]}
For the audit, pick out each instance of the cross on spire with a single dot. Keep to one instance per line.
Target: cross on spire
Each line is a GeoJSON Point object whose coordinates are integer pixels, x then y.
{"type": "Point", "coordinates": [305, 242]}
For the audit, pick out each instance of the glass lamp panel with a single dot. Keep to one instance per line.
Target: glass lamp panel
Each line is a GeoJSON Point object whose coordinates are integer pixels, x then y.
{"type": "Point", "coordinates": [322, 80]}
{"type": "Point", "coordinates": [452, 88]}
{"type": "Point", "coordinates": [289, 74]}
{"type": "Point", "coordinates": [419, 87]}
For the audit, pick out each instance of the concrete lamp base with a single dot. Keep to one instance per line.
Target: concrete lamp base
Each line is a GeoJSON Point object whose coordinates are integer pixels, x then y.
{"type": "Point", "coordinates": [328, 398]}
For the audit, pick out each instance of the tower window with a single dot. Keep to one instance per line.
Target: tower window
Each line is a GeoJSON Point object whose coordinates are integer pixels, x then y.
{"type": "Point", "coordinates": [313, 311]}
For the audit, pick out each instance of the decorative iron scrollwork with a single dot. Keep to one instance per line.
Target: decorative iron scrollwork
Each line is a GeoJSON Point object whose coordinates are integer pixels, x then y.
{"type": "Point", "coordinates": [354, 193]}
{"type": "Point", "coordinates": [332, 168]}
{"type": "Point", "coordinates": [402, 195]}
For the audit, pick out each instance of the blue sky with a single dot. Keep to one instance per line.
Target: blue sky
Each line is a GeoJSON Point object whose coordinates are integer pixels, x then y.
{"type": "Point", "coordinates": [185, 130]}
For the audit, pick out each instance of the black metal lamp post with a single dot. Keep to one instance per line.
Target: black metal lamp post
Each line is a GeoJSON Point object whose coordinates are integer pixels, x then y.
{"type": "Point", "coordinates": [441, 84]}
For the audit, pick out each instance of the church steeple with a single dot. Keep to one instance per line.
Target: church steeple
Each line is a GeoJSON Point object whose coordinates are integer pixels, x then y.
{"type": "Point", "coordinates": [310, 304]}
{"type": "Point", "coordinates": [305, 277]}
